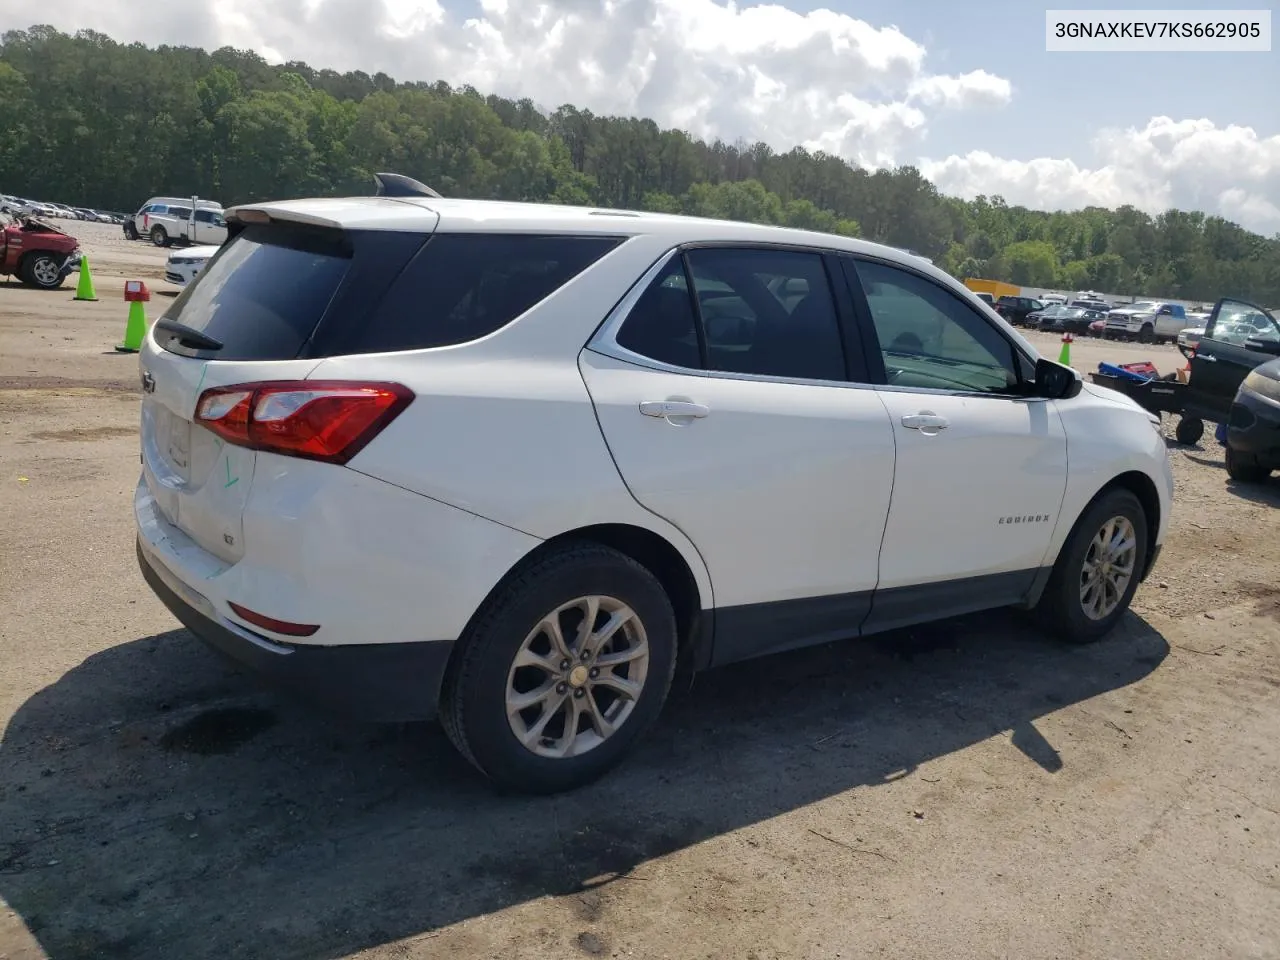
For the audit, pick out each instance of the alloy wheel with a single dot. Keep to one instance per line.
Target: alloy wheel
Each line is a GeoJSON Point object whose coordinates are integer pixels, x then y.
{"type": "Point", "coordinates": [577, 677]}
{"type": "Point", "coordinates": [45, 272]}
{"type": "Point", "coordinates": [1109, 566]}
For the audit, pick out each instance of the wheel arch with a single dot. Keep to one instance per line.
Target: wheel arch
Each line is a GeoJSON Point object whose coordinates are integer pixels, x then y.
{"type": "Point", "coordinates": [1141, 486]}
{"type": "Point", "coordinates": [657, 554]}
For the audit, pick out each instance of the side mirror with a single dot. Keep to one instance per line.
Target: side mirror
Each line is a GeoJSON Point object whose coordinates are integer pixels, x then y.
{"type": "Point", "coordinates": [1056, 382]}
{"type": "Point", "coordinates": [1268, 346]}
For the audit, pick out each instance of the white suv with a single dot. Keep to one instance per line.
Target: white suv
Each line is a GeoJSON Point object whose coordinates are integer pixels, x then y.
{"type": "Point", "coordinates": [510, 462]}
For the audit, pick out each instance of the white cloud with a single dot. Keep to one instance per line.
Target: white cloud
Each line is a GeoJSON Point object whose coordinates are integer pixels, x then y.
{"type": "Point", "coordinates": [976, 88]}
{"type": "Point", "coordinates": [1190, 164]}
{"type": "Point", "coordinates": [763, 71]}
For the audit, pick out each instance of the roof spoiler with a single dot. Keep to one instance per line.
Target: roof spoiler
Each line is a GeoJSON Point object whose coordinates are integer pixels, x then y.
{"type": "Point", "coordinates": [398, 185]}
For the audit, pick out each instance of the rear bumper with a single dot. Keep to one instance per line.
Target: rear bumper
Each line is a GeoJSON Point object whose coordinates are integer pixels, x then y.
{"type": "Point", "coordinates": [384, 682]}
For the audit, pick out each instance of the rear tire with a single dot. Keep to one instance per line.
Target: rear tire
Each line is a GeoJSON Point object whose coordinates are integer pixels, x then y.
{"type": "Point", "coordinates": [1096, 574]}
{"type": "Point", "coordinates": [159, 236]}
{"type": "Point", "coordinates": [1245, 469]}
{"type": "Point", "coordinates": [535, 752]}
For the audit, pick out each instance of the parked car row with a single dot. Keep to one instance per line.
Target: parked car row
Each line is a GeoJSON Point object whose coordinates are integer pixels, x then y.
{"type": "Point", "coordinates": [21, 207]}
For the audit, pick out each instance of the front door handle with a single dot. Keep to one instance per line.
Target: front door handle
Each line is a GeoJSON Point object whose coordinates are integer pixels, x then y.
{"type": "Point", "coordinates": [927, 423]}
{"type": "Point", "coordinates": [674, 410]}
{"type": "Point", "coordinates": [1207, 357]}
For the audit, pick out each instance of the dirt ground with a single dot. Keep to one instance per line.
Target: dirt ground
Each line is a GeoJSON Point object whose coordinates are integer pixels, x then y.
{"type": "Point", "coordinates": [969, 790]}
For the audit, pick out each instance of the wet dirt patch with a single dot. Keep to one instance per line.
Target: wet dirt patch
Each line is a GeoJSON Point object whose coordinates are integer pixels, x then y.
{"type": "Point", "coordinates": [219, 731]}
{"type": "Point", "coordinates": [85, 433]}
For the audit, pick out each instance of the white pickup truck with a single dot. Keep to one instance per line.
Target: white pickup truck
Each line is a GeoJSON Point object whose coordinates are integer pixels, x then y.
{"type": "Point", "coordinates": [1150, 321]}
{"type": "Point", "coordinates": [165, 220]}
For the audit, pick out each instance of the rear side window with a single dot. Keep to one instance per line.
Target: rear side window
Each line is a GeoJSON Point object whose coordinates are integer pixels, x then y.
{"type": "Point", "coordinates": [662, 325]}
{"type": "Point", "coordinates": [759, 311]}
{"type": "Point", "coordinates": [461, 287]}
{"type": "Point", "coordinates": [263, 294]}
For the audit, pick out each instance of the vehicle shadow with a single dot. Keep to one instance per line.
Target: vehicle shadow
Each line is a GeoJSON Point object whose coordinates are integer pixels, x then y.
{"type": "Point", "coordinates": [1267, 491]}
{"type": "Point", "coordinates": [155, 804]}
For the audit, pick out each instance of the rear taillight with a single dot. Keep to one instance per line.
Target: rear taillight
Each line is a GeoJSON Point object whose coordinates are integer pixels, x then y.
{"type": "Point", "coordinates": [328, 420]}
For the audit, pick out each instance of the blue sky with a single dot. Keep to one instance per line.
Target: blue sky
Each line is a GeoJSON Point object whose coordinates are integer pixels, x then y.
{"type": "Point", "coordinates": [966, 92]}
{"type": "Point", "coordinates": [1061, 99]}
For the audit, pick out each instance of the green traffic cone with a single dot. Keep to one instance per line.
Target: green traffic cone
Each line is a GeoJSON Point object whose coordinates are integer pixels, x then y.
{"type": "Point", "coordinates": [84, 287]}
{"type": "Point", "coordinates": [135, 329]}
{"type": "Point", "coordinates": [1064, 357]}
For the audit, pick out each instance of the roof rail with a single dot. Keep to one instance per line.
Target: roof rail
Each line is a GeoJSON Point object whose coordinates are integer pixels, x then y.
{"type": "Point", "coordinates": [398, 185]}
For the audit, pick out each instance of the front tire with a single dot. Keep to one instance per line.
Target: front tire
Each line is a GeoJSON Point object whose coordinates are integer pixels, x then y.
{"type": "Point", "coordinates": [43, 271]}
{"type": "Point", "coordinates": [130, 231]}
{"type": "Point", "coordinates": [540, 705]}
{"type": "Point", "coordinates": [1097, 571]}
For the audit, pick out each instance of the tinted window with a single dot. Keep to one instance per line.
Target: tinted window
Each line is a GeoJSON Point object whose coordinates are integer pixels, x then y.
{"type": "Point", "coordinates": [661, 324]}
{"type": "Point", "coordinates": [930, 338]}
{"type": "Point", "coordinates": [461, 287]}
{"type": "Point", "coordinates": [767, 312]}
{"type": "Point", "coordinates": [182, 213]}
{"type": "Point", "coordinates": [263, 294]}
{"type": "Point", "coordinates": [206, 216]}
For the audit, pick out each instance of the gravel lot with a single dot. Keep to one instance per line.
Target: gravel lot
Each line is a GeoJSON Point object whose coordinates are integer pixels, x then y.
{"type": "Point", "coordinates": [966, 790]}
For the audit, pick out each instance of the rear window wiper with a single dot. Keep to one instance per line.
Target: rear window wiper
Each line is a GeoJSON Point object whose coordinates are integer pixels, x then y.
{"type": "Point", "coordinates": [189, 336]}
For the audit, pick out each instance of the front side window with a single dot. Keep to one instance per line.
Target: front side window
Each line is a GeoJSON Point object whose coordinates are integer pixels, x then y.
{"type": "Point", "coordinates": [930, 338]}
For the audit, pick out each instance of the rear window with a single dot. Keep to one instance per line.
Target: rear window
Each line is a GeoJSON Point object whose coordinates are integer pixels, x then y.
{"type": "Point", "coordinates": [263, 294]}
{"type": "Point", "coordinates": [461, 287]}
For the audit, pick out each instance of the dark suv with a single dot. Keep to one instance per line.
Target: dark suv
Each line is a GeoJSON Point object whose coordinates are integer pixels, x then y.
{"type": "Point", "coordinates": [1015, 309]}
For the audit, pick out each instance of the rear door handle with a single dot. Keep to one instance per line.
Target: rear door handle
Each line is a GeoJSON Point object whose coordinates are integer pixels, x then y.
{"type": "Point", "coordinates": [925, 422]}
{"type": "Point", "coordinates": [1208, 357]}
{"type": "Point", "coordinates": [674, 409]}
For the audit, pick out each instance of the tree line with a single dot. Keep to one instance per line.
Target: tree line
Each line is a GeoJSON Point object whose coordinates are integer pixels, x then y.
{"type": "Point", "coordinates": [88, 121]}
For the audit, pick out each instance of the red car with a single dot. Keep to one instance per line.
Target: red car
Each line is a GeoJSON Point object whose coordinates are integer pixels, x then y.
{"type": "Point", "coordinates": [39, 254]}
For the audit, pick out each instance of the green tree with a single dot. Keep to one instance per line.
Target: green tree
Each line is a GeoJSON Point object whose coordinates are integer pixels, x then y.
{"type": "Point", "coordinates": [89, 121]}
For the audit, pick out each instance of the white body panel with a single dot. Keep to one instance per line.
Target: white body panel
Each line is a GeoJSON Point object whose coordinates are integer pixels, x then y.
{"type": "Point", "coordinates": [1108, 435]}
{"type": "Point", "coordinates": [200, 483]}
{"type": "Point", "coordinates": [784, 487]}
{"type": "Point", "coordinates": [514, 441]}
{"type": "Point", "coordinates": [368, 562]}
{"type": "Point", "coordinates": [997, 458]}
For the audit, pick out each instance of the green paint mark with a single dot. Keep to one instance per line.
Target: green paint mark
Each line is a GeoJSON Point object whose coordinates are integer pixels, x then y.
{"type": "Point", "coordinates": [231, 481]}
{"type": "Point", "coordinates": [203, 371]}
